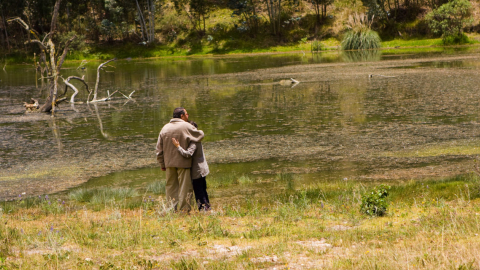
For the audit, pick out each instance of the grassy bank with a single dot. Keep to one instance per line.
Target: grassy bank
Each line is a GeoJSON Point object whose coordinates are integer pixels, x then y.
{"type": "Point", "coordinates": [137, 51]}
{"type": "Point", "coordinates": [429, 224]}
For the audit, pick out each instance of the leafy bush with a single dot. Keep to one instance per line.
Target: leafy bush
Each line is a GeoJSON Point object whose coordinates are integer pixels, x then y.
{"type": "Point", "coordinates": [460, 39]}
{"type": "Point", "coordinates": [374, 203]}
{"type": "Point", "coordinates": [450, 19]}
{"type": "Point", "coordinates": [360, 36]}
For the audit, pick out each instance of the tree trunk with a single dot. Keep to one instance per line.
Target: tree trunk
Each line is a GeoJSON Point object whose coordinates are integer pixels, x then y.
{"type": "Point", "coordinates": [53, 26]}
{"type": "Point", "coordinates": [142, 21]}
{"type": "Point", "coordinates": [53, 81]}
{"type": "Point", "coordinates": [151, 22]}
{"type": "Point", "coordinates": [6, 33]}
{"type": "Point", "coordinates": [204, 29]}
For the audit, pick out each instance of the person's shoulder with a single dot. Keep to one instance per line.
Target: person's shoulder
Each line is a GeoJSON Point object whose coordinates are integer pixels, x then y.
{"type": "Point", "coordinates": [167, 127]}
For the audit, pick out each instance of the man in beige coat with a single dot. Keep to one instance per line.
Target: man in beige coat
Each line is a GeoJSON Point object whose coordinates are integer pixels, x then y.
{"type": "Point", "coordinates": [179, 189]}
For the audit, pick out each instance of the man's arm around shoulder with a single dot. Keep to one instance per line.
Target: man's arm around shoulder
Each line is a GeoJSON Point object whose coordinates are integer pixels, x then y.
{"type": "Point", "coordinates": [195, 134]}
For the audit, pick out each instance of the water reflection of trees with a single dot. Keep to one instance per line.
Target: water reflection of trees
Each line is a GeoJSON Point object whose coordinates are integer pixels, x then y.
{"type": "Point", "coordinates": [362, 56]}
{"type": "Point", "coordinates": [269, 109]}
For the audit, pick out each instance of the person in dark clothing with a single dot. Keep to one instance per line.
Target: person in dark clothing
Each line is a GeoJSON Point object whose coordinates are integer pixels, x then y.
{"type": "Point", "coordinates": [199, 170]}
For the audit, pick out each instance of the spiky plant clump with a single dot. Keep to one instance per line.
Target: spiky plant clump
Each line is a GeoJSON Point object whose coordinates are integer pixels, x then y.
{"type": "Point", "coordinates": [360, 36]}
{"type": "Point", "coordinates": [364, 40]}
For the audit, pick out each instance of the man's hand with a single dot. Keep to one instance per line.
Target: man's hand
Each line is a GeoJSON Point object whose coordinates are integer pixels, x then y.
{"type": "Point", "coordinates": [175, 142]}
{"type": "Point", "coordinates": [163, 169]}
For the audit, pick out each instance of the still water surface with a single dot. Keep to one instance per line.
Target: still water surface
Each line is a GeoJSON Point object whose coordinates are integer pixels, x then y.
{"type": "Point", "coordinates": [417, 116]}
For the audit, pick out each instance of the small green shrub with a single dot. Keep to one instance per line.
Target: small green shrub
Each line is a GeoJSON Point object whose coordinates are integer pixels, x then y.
{"type": "Point", "coordinates": [459, 39]}
{"type": "Point", "coordinates": [316, 46]}
{"type": "Point", "coordinates": [374, 203]}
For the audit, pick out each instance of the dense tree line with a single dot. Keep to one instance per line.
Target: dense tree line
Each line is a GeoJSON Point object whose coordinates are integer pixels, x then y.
{"type": "Point", "coordinates": [165, 21]}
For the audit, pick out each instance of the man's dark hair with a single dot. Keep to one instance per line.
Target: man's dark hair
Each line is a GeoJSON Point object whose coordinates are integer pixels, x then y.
{"type": "Point", "coordinates": [193, 124]}
{"type": "Point", "coordinates": [178, 112]}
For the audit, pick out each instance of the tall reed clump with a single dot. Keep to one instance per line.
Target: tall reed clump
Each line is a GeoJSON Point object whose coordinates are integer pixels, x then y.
{"type": "Point", "coordinates": [360, 36]}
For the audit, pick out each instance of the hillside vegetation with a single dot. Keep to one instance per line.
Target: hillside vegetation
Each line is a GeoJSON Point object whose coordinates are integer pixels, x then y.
{"type": "Point", "coordinates": [152, 28]}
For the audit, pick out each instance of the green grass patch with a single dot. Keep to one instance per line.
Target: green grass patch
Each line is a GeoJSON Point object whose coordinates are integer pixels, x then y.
{"type": "Point", "coordinates": [157, 187]}
{"type": "Point", "coordinates": [102, 195]}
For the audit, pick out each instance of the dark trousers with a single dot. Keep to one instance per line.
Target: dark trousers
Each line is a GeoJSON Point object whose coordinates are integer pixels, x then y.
{"type": "Point", "coordinates": [201, 196]}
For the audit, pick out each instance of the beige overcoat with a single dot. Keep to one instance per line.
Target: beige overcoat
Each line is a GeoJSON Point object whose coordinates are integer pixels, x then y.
{"type": "Point", "coordinates": [167, 154]}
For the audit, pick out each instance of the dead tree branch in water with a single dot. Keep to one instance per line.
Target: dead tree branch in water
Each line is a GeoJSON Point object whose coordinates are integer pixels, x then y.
{"type": "Point", "coordinates": [95, 92]}
{"type": "Point", "coordinates": [68, 84]}
{"type": "Point", "coordinates": [48, 49]}
{"type": "Point", "coordinates": [98, 81]}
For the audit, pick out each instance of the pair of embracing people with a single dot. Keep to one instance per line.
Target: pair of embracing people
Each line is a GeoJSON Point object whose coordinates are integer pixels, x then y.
{"type": "Point", "coordinates": [180, 153]}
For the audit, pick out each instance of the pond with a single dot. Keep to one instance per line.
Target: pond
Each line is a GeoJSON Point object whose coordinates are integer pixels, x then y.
{"type": "Point", "coordinates": [353, 116]}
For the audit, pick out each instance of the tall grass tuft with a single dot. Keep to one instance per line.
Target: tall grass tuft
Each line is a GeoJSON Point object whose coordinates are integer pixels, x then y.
{"type": "Point", "coordinates": [223, 180]}
{"type": "Point", "coordinates": [102, 195]}
{"type": "Point", "coordinates": [360, 36]}
{"type": "Point", "coordinates": [82, 194]}
{"type": "Point", "coordinates": [245, 180]}
{"type": "Point", "coordinates": [157, 187]}
{"type": "Point", "coordinates": [106, 195]}
{"type": "Point", "coordinates": [284, 177]}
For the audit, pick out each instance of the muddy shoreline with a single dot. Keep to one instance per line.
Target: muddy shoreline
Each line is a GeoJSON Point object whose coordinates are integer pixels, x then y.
{"type": "Point", "coordinates": [53, 160]}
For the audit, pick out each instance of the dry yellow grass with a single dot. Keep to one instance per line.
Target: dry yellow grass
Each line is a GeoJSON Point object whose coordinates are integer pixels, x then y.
{"type": "Point", "coordinates": [303, 229]}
